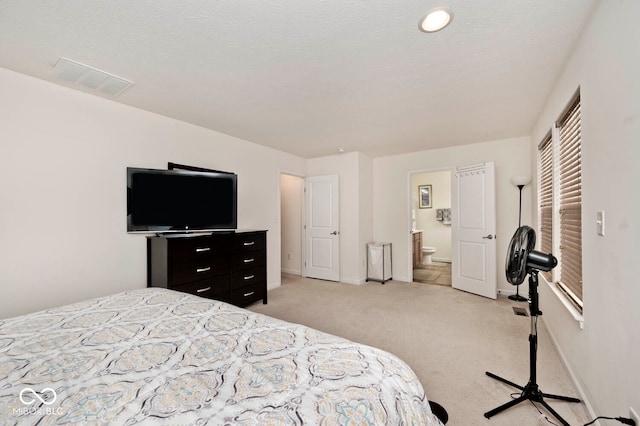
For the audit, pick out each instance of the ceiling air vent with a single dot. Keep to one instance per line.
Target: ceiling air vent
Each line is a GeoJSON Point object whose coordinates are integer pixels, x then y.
{"type": "Point", "coordinates": [86, 77]}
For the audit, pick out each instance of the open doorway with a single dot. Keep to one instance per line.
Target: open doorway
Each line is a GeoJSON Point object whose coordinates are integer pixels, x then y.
{"type": "Point", "coordinates": [291, 218]}
{"type": "Point", "coordinates": [431, 227]}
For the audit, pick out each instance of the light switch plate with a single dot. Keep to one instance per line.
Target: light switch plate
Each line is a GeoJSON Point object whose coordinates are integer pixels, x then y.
{"type": "Point", "coordinates": [600, 222]}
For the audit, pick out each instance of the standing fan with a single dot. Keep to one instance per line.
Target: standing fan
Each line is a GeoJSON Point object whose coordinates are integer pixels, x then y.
{"type": "Point", "coordinates": [522, 259]}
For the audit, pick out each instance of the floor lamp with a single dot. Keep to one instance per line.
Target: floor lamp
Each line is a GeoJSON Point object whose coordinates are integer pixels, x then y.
{"type": "Point", "coordinates": [520, 182]}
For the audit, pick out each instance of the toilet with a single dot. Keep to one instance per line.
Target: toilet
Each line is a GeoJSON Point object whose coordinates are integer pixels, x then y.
{"type": "Point", "coordinates": [427, 252]}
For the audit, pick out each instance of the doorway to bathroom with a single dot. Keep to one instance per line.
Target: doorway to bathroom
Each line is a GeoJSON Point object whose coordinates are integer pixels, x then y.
{"type": "Point", "coordinates": [291, 224]}
{"type": "Point", "coordinates": [431, 226]}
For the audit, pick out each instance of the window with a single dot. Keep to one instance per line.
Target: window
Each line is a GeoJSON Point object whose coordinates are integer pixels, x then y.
{"type": "Point", "coordinates": [560, 202]}
{"type": "Point", "coordinates": [545, 185]}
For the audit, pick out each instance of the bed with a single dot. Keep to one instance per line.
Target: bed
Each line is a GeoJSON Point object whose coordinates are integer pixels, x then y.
{"type": "Point", "coordinates": [156, 356]}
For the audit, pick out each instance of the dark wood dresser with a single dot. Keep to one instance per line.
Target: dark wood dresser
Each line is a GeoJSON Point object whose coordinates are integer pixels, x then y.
{"type": "Point", "coordinates": [231, 267]}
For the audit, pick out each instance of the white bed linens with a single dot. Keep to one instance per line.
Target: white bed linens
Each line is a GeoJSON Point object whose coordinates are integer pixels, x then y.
{"type": "Point", "coordinates": [156, 356]}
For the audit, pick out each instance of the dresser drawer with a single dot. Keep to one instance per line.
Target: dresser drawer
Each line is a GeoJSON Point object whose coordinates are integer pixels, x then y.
{"type": "Point", "coordinates": [247, 260]}
{"type": "Point", "coordinates": [248, 294]}
{"type": "Point", "coordinates": [250, 241]}
{"type": "Point", "coordinates": [214, 288]}
{"type": "Point", "coordinates": [248, 276]}
{"type": "Point", "coordinates": [191, 249]}
{"type": "Point", "coordinates": [194, 271]}
{"type": "Point", "coordinates": [222, 265]}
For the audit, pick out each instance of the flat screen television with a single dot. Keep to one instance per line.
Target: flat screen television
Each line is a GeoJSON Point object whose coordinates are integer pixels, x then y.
{"type": "Point", "coordinates": [180, 201]}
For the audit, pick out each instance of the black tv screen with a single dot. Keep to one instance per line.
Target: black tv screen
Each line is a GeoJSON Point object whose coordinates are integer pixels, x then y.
{"type": "Point", "coordinates": [176, 200]}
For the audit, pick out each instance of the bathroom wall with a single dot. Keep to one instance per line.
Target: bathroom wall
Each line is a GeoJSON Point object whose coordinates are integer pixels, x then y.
{"type": "Point", "coordinates": [434, 233]}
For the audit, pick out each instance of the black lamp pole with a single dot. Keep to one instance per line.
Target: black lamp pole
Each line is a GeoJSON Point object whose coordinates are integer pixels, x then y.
{"type": "Point", "coordinates": [520, 207]}
{"type": "Point", "coordinates": [517, 296]}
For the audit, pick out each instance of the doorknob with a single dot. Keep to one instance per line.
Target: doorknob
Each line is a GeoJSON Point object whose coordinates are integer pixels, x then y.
{"type": "Point", "coordinates": [335, 233]}
{"type": "Point", "coordinates": [488, 237]}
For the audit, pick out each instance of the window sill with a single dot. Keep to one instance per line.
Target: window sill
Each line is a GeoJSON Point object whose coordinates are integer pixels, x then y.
{"type": "Point", "coordinates": [563, 299]}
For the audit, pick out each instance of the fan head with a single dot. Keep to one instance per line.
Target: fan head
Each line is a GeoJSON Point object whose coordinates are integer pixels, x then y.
{"type": "Point", "coordinates": [522, 258]}
{"type": "Point", "coordinates": [522, 243]}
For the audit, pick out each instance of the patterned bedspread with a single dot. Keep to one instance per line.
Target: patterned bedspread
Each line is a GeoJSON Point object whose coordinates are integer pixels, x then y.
{"type": "Point", "coordinates": [156, 356]}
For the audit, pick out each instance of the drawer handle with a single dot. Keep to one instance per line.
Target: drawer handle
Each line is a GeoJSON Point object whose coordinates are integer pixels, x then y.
{"type": "Point", "coordinates": [249, 243]}
{"type": "Point", "coordinates": [203, 290]}
{"type": "Point", "coordinates": [208, 268]}
{"type": "Point", "coordinates": [249, 260]}
{"type": "Point", "coordinates": [248, 277]}
{"type": "Point", "coordinates": [203, 249]}
{"type": "Point", "coordinates": [249, 294]}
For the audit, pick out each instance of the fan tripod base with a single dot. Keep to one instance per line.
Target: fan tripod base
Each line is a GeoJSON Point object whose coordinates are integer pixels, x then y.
{"type": "Point", "coordinates": [532, 393]}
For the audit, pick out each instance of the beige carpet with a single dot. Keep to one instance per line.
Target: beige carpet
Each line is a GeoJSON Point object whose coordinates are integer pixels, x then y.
{"type": "Point", "coordinates": [449, 338]}
{"type": "Point", "coordinates": [438, 273]}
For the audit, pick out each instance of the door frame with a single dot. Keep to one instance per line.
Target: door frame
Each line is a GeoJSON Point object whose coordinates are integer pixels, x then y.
{"type": "Point", "coordinates": [409, 240]}
{"type": "Point", "coordinates": [302, 216]}
{"type": "Point", "coordinates": [475, 236]}
{"type": "Point", "coordinates": [334, 180]}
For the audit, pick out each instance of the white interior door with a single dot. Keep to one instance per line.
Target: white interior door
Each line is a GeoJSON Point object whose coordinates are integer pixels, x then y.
{"type": "Point", "coordinates": [474, 230]}
{"type": "Point", "coordinates": [322, 227]}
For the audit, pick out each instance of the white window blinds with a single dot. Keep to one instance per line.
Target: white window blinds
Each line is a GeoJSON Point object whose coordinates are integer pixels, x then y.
{"type": "Point", "coordinates": [570, 201]}
{"type": "Point", "coordinates": [545, 198]}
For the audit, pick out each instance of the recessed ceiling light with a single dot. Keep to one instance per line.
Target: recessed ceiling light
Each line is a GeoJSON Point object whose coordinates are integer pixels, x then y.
{"type": "Point", "coordinates": [341, 150]}
{"type": "Point", "coordinates": [436, 20]}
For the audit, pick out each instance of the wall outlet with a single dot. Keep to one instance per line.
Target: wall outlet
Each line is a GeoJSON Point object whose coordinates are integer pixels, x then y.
{"type": "Point", "coordinates": [634, 416]}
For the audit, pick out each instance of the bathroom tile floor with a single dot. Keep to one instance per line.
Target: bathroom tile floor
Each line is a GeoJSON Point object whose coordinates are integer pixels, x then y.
{"type": "Point", "coordinates": [438, 273]}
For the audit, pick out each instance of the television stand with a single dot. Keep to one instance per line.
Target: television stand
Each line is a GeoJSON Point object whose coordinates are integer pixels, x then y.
{"type": "Point", "coordinates": [226, 266]}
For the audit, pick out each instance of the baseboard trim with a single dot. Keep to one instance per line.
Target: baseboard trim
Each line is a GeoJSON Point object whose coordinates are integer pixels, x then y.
{"type": "Point", "coordinates": [504, 292]}
{"type": "Point", "coordinates": [352, 281]}
{"type": "Point", "coordinates": [291, 271]}
{"type": "Point", "coordinates": [271, 286]}
{"type": "Point", "coordinates": [574, 379]}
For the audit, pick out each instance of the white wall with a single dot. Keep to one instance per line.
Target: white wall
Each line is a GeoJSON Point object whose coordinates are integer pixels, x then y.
{"type": "Point", "coordinates": [435, 233]}
{"type": "Point", "coordinates": [365, 194]}
{"type": "Point", "coordinates": [391, 214]}
{"type": "Point", "coordinates": [605, 65]}
{"type": "Point", "coordinates": [63, 190]}
{"type": "Point", "coordinates": [291, 199]}
{"type": "Point", "coordinates": [355, 189]}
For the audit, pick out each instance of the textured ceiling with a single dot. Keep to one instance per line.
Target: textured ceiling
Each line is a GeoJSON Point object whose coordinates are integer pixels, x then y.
{"type": "Point", "coordinates": [311, 76]}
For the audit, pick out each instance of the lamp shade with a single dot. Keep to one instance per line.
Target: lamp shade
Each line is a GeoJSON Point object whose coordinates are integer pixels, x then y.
{"type": "Point", "coordinates": [520, 180]}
